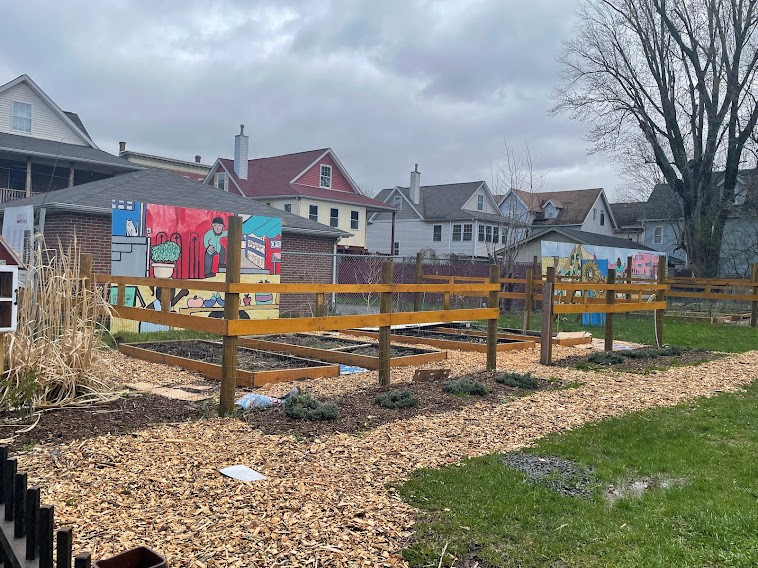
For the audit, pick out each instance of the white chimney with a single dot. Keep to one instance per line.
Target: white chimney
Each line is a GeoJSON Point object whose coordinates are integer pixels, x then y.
{"type": "Point", "coordinates": [416, 186]}
{"type": "Point", "coordinates": [240, 153]}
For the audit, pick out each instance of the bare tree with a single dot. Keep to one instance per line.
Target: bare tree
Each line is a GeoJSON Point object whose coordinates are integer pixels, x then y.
{"type": "Point", "coordinates": [516, 171]}
{"type": "Point", "coordinates": [683, 74]}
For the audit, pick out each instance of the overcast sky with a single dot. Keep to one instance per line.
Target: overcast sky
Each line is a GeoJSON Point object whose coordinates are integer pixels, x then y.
{"type": "Point", "coordinates": [384, 83]}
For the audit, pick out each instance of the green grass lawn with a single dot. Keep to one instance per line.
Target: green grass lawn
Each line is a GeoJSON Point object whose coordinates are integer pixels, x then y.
{"type": "Point", "coordinates": [483, 509]}
{"type": "Point", "coordinates": [639, 329]}
{"type": "Point", "coordinates": [172, 334]}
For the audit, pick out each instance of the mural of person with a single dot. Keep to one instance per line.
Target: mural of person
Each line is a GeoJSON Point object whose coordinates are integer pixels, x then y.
{"type": "Point", "coordinates": [213, 246]}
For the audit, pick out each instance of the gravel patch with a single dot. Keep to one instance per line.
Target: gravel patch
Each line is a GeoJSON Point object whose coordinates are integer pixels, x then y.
{"type": "Point", "coordinates": [566, 477]}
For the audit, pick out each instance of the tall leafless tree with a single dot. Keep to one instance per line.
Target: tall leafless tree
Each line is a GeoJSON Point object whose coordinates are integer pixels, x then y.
{"type": "Point", "coordinates": [683, 74]}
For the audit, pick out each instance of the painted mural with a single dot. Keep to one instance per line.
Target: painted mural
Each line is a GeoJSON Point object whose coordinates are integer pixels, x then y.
{"type": "Point", "coordinates": [163, 241]}
{"type": "Point", "coordinates": [591, 264]}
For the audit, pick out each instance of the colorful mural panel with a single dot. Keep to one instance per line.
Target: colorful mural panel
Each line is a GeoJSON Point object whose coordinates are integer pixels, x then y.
{"type": "Point", "coordinates": [163, 241]}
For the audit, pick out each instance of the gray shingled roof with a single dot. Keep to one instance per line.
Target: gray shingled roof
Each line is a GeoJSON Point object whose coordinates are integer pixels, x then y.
{"type": "Point", "coordinates": [663, 203]}
{"type": "Point", "coordinates": [585, 238]}
{"type": "Point", "coordinates": [628, 215]}
{"type": "Point", "coordinates": [164, 188]}
{"type": "Point", "coordinates": [76, 120]}
{"type": "Point", "coordinates": [28, 146]}
{"type": "Point", "coordinates": [574, 204]}
{"type": "Point", "coordinates": [443, 202]}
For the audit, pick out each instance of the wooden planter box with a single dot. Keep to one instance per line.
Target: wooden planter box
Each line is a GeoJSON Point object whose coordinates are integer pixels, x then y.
{"type": "Point", "coordinates": [564, 341]}
{"type": "Point", "coordinates": [245, 378]}
{"type": "Point", "coordinates": [342, 354]}
{"type": "Point", "coordinates": [506, 345]}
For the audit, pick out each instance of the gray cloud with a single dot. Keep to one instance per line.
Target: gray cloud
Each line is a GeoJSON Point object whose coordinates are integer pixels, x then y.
{"type": "Point", "coordinates": [385, 84]}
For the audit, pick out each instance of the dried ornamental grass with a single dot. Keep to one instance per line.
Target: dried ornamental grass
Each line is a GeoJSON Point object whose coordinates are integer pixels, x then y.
{"type": "Point", "coordinates": [55, 356]}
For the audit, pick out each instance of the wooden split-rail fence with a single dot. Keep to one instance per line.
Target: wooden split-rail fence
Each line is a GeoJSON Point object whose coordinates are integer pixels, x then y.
{"type": "Point", "coordinates": [27, 534]}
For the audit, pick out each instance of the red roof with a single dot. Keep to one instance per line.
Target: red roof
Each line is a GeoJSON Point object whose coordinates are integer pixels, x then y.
{"type": "Point", "coordinates": [271, 177]}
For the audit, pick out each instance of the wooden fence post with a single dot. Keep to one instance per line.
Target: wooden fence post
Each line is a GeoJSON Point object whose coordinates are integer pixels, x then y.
{"type": "Point", "coordinates": [660, 296]}
{"type": "Point", "coordinates": [528, 299]}
{"type": "Point", "coordinates": [231, 312]}
{"type": "Point", "coordinates": [536, 265]}
{"type": "Point", "coordinates": [385, 307]}
{"type": "Point", "coordinates": [494, 302]}
{"type": "Point", "coordinates": [419, 278]}
{"type": "Point", "coordinates": [85, 269]}
{"type": "Point", "coordinates": [446, 295]}
{"type": "Point", "coordinates": [610, 299]}
{"type": "Point", "coordinates": [320, 304]}
{"type": "Point", "coordinates": [546, 338]}
{"type": "Point", "coordinates": [629, 260]}
{"type": "Point", "coordinates": [754, 311]}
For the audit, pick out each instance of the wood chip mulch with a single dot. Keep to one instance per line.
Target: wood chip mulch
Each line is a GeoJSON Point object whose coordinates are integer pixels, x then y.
{"type": "Point", "coordinates": [325, 501]}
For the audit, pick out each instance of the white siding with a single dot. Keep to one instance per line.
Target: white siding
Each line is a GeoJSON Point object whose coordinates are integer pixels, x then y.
{"type": "Point", "coordinates": [46, 123]}
{"type": "Point", "coordinates": [359, 236]}
{"type": "Point", "coordinates": [489, 206]}
{"type": "Point", "coordinates": [593, 225]}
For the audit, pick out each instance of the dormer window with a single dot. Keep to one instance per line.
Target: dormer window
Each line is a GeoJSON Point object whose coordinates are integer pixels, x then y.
{"type": "Point", "coordinates": [326, 176]}
{"type": "Point", "coordinates": [21, 117]}
{"type": "Point", "coordinates": [480, 203]}
{"type": "Point", "coordinates": [397, 202]}
{"type": "Point", "coordinates": [221, 181]}
{"type": "Point", "coordinates": [549, 211]}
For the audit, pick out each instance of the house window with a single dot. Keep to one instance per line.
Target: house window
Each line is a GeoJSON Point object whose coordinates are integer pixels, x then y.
{"type": "Point", "coordinates": [658, 235]}
{"type": "Point", "coordinates": [479, 202]}
{"type": "Point", "coordinates": [334, 217]}
{"type": "Point", "coordinates": [21, 117]}
{"type": "Point", "coordinates": [602, 218]}
{"type": "Point", "coordinates": [495, 234]}
{"type": "Point", "coordinates": [456, 232]}
{"type": "Point", "coordinates": [221, 181]}
{"type": "Point", "coordinates": [481, 233]}
{"type": "Point", "coordinates": [326, 176]}
{"type": "Point", "coordinates": [313, 212]}
{"type": "Point", "coordinates": [594, 213]}
{"type": "Point", "coordinates": [397, 202]}
{"type": "Point", "coordinates": [437, 233]}
{"type": "Point", "coordinates": [488, 238]}
{"type": "Point", "coordinates": [396, 249]}
{"type": "Point", "coordinates": [288, 207]}
{"type": "Point", "coordinates": [505, 234]}
{"type": "Point", "coordinates": [354, 220]}
{"type": "Point", "coordinates": [468, 232]}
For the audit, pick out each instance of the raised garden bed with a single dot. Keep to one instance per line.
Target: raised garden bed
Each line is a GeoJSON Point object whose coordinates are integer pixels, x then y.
{"type": "Point", "coordinates": [448, 340]}
{"type": "Point", "coordinates": [512, 333]}
{"type": "Point", "coordinates": [254, 367]}
{"type": "Point", "coordinates": [340, 350]}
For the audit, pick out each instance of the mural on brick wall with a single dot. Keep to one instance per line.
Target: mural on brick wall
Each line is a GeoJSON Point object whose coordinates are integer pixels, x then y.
{"type": "Point", "coordinates": [163, 241]}
{"type": "Point", "coordinates": [591, 263]}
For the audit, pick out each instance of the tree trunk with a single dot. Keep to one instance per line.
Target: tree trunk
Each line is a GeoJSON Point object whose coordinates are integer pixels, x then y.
{"type": "Point", "coordinates": [702, 236]}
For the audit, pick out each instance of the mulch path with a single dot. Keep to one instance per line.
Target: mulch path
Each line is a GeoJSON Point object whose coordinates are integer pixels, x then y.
{"type": "Point", "coordinates": [358, 410]}
{"type": "Point", "coordinates": [131, 413]}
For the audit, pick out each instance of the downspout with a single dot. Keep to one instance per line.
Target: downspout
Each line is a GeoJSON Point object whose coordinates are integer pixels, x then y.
{"type": "Point", "coordinates": [392, 235]}
{"type": "Point", "coordinates": [334, 273]}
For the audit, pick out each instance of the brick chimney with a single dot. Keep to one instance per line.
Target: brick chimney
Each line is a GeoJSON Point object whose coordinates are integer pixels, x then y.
{"type": "Point", "coordinates": [240, 153]}
{"type": "Point", "coordinates": [121, 147]}
{"type": "Point", "coordinates": [415, 189]}
{"type": "Point", "coordinates": [197, 159]}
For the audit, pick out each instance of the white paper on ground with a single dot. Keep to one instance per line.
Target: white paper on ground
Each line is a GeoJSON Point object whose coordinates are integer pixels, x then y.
{"type": "Point", "coordinates": [242, 472]}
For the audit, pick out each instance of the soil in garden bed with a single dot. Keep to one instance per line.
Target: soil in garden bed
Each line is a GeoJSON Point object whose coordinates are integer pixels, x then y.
{"type": "Point", "coordinates": [428, 334]}
{"type": "Point", "coordinates": [358, 410]}
{"type": "Point", "coordinates": [640, 363]}
{"type": "Point", "coordinates": [315, 341]}
{"type": "Point", "coordinates": [395, 351]}
{"type": "Point", "coordinates": [247, 359]}
{"type": "Point", "coordinates": [118, 417]}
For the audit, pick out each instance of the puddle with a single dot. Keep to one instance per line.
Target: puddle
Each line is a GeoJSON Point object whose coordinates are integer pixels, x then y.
{"type": "Point", "coordinates": [636, 488]}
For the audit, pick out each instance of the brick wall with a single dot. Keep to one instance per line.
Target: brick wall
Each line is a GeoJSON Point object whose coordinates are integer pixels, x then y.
{"type": "Point", "coordinates": [92, 233]}
{"type": "Point", "coordinates": [304, 259]}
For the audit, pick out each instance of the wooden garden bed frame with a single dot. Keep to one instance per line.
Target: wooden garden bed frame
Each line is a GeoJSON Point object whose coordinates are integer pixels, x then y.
{"type": "Point", "coordinates": [342, 355]}
{"type": "Point", "coordinates": [245, 378]}
{"type": "Point", "coordinates": [564, 341]}
{"type": "Point", "coordinates": [526, 343]}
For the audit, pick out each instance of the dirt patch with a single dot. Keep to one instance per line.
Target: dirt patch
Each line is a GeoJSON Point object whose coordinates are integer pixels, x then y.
{"type": "Point", "coordinates": [639, 364]}
{"type": "Point", "coordinates": [118, 417]}
{"type": "Point", "coordinates": [359, 411]}
{"type": "Point", "coordinates": [562, 476]}
{"type": "Point", "coordinates": [247, 359]}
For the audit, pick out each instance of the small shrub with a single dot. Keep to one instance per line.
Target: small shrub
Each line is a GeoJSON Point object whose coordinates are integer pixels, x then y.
{"type": "Point", "coordinates": [652, 352]}
{"type": "Point", "coordinates": [606, 358]}
{"type": "Point", "coordinates": [518, 380]}
{"type": "Point", "coordinates": [465, 387]}
{"type": "Point", "coordinates": [306, 407]}
{"type": "Point", "coordinates": [400, 398]}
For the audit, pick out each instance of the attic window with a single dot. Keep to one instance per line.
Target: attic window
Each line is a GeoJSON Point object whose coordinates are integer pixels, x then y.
{"type": "Point", "coordinates": [326, 176]}
{"type": "Point", "coordinates": [397, 202]}
{"type": "Point", "coordinates": [21, 117]}
{"type": "Point", "coordinates": [221, 181]}
{"type": "Point", "coordinates": [480, 203]}
{"type": "Point", "coordinates": [602, 218]}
